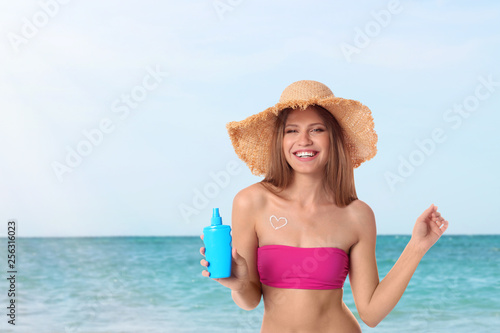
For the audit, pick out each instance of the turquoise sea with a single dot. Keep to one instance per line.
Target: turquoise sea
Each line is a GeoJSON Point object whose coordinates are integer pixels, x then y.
{"type": "Point", "coordinates": [154, 284]}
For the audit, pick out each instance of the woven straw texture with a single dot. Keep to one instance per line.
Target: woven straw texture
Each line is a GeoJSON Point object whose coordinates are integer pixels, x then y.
{"type": "Point", "coordinates": [251, 137]}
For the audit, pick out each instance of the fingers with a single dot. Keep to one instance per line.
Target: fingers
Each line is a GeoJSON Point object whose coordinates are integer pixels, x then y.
{"type": "Point", "coordinates": [437, 223]}
{"type": "Point", "coordinates": [235, 253]}
{"type": "Point", "coordinates": [439, 226]}
{"type": "Point", "coordinates": [432, 209]}
{"type": "Point", "coordinates": [435, 229]}
{"type": "Point", "coordinates": [435, 215]}
{"type": "Point", "coordinates": [203, 262]}
{"type": "Point", "coordinates": [205, 272]}
{"type": "Point", "coordinates": [202, 249]}
{"type": "Point", "coordinates": [428, 212]}
{"type": "Point", "coordinates": [444, 226]}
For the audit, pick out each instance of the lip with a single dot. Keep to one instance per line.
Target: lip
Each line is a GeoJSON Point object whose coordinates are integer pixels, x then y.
{"type": "Point", "coordinates": [305, 150]}
{"type": "Point", "coordinates": [305, 159]}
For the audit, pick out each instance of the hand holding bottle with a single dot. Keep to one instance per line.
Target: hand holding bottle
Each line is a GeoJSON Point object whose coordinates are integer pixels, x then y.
{"type": "Point", "coordinates": [239, 271]}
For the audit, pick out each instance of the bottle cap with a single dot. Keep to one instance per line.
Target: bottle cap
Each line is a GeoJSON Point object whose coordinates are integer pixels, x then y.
{"type": "Point", "coordinates": [216, 219]}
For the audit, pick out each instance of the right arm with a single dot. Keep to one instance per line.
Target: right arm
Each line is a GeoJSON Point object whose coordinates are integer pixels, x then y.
{"type": "Point", "coordinates": [244, 281]}
{"type": "Point", "coordinates": [245, 241]}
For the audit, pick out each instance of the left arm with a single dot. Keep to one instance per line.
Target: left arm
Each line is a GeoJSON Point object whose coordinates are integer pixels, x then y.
{"type": "Point", "coordinates": [375, 299]}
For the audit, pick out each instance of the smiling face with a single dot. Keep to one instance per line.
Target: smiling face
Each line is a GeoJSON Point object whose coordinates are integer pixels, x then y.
{"type": "Point", "coordinates": [306, 142]}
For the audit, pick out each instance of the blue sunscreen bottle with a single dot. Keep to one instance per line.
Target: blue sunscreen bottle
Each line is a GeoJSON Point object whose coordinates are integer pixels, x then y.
{"type": "Point", "coordinates": [217, 239]}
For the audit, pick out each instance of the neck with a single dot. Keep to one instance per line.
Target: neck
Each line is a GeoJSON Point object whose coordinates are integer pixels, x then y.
{"type": "Point", "coordinates": [307, 190]}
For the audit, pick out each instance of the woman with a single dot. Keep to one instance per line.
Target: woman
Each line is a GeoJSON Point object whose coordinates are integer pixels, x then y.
{"type": "Point", "coordinates": [302, 229]}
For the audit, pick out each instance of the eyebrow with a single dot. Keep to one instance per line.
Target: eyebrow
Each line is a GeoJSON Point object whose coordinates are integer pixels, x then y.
{"type": "Point", "coordinates": [314, 124]}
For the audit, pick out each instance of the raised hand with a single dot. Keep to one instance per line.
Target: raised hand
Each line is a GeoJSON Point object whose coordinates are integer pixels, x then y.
{"type": "Point", "coordinates": [428, 228]}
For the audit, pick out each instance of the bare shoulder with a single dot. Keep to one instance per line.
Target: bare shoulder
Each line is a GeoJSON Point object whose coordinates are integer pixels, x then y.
{"type": "Point", "coordinates": [250, 198]}
{"type": "Point", "coordinates": [362, 216]}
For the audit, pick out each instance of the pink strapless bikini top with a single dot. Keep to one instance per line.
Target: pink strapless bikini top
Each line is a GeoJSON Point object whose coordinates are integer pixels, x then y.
{"type": "Point", "coordinates": [292, 267]}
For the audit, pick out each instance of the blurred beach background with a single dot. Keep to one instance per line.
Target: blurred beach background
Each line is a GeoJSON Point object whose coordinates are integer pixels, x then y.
{"type": "Point", "coordinates": [154, 284]}
{"type": "Point", "coordinates": [114, 149]}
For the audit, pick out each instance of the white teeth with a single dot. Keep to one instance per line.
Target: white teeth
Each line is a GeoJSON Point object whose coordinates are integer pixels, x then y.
{"type": "Point", "coordinates": [305, 154]}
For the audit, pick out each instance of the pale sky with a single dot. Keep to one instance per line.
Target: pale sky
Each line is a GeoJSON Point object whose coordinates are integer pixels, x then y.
{"type": "Point", "coordinates": [114, 113]}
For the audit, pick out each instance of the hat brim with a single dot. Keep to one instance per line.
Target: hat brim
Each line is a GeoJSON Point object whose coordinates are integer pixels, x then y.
{"type": "Point", "coordinates": [251, 137]}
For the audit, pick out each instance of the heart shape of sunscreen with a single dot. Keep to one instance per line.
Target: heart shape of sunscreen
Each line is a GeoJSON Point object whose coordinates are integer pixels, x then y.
{"type": "Point", "coordinates": [278, 222]}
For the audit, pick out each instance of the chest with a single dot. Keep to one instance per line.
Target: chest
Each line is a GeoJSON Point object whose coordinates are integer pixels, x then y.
{"type": "Point", "coordinates": [322, 227]}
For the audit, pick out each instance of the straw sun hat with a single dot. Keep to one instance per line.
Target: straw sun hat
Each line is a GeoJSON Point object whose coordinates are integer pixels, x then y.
{"type": "Point", "coordinates": [251, 137]}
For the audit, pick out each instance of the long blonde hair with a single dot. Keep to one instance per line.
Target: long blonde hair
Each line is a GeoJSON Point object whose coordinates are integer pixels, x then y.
{"type": "Point", "coordinates": [338, 175]}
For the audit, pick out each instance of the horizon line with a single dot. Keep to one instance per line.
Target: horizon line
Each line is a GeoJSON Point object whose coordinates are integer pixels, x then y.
{"type": "Point", "coordinates": [162, 236]}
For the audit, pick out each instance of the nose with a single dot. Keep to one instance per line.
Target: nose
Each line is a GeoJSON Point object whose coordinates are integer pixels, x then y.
{"type": "Point", "coordinates": [304, 139]}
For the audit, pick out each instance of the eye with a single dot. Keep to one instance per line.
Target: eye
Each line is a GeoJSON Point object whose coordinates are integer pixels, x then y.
{"type": "Point", "coordinates": [317, 130]}
{"type": "Point", "coordinates": [290, 131]}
